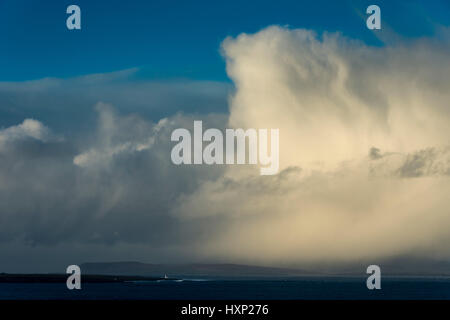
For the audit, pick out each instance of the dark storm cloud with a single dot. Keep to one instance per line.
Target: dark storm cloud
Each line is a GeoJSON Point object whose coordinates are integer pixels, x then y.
{"type": "Point", "coordinates": [123, 196]}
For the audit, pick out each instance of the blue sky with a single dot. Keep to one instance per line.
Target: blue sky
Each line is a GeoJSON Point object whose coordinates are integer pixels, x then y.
{"type": "Point", "coordinates": [176, 39]}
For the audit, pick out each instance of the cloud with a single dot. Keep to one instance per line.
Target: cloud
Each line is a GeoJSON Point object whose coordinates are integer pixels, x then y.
{"type": "Point", "coordinates": [81, 190]}
{"type": "Point", "coordinates": [364, 159]}
{"type": "Point", "coordinates": [430, 162]}
{"type": "Point", "coordinates": [65, 105]}
{"type": "Point", "coordinates": [339, 198]}
{"type": "Point", "coordinates": [335, 98]}
{"type": "Point", "coordinates": [29, 128]}
{"type": "Point", "coordinates": [140, 136]}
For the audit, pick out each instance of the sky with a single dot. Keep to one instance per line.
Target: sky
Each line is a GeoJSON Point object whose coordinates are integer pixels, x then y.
{"type": "Point", "coordinates": [86, 118]}
{"type": "Point", "coordinates": [175, 38]}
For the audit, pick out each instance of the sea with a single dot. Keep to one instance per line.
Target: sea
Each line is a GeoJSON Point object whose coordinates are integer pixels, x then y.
{"type": "Point", "coordinates": [305, 288]}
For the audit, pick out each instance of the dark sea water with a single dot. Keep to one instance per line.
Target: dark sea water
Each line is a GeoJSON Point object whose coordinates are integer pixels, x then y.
{"type": "Point", "coordinates": [299, 288]}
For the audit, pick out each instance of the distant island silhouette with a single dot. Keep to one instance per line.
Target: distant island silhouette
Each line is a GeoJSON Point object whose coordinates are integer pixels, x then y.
{"type": "Point", "coordinates": [193, 270]}
{"type": "Point", "coordinates": [133, 271]}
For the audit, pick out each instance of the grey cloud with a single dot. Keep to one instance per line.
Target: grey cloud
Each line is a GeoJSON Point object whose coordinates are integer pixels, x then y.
{"type": "Point", "coordinates": [429, 162]}
{"type": "Point", "coordinates": [374, 153]}
{"type": "Point", "coordinates": [65, 105]}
